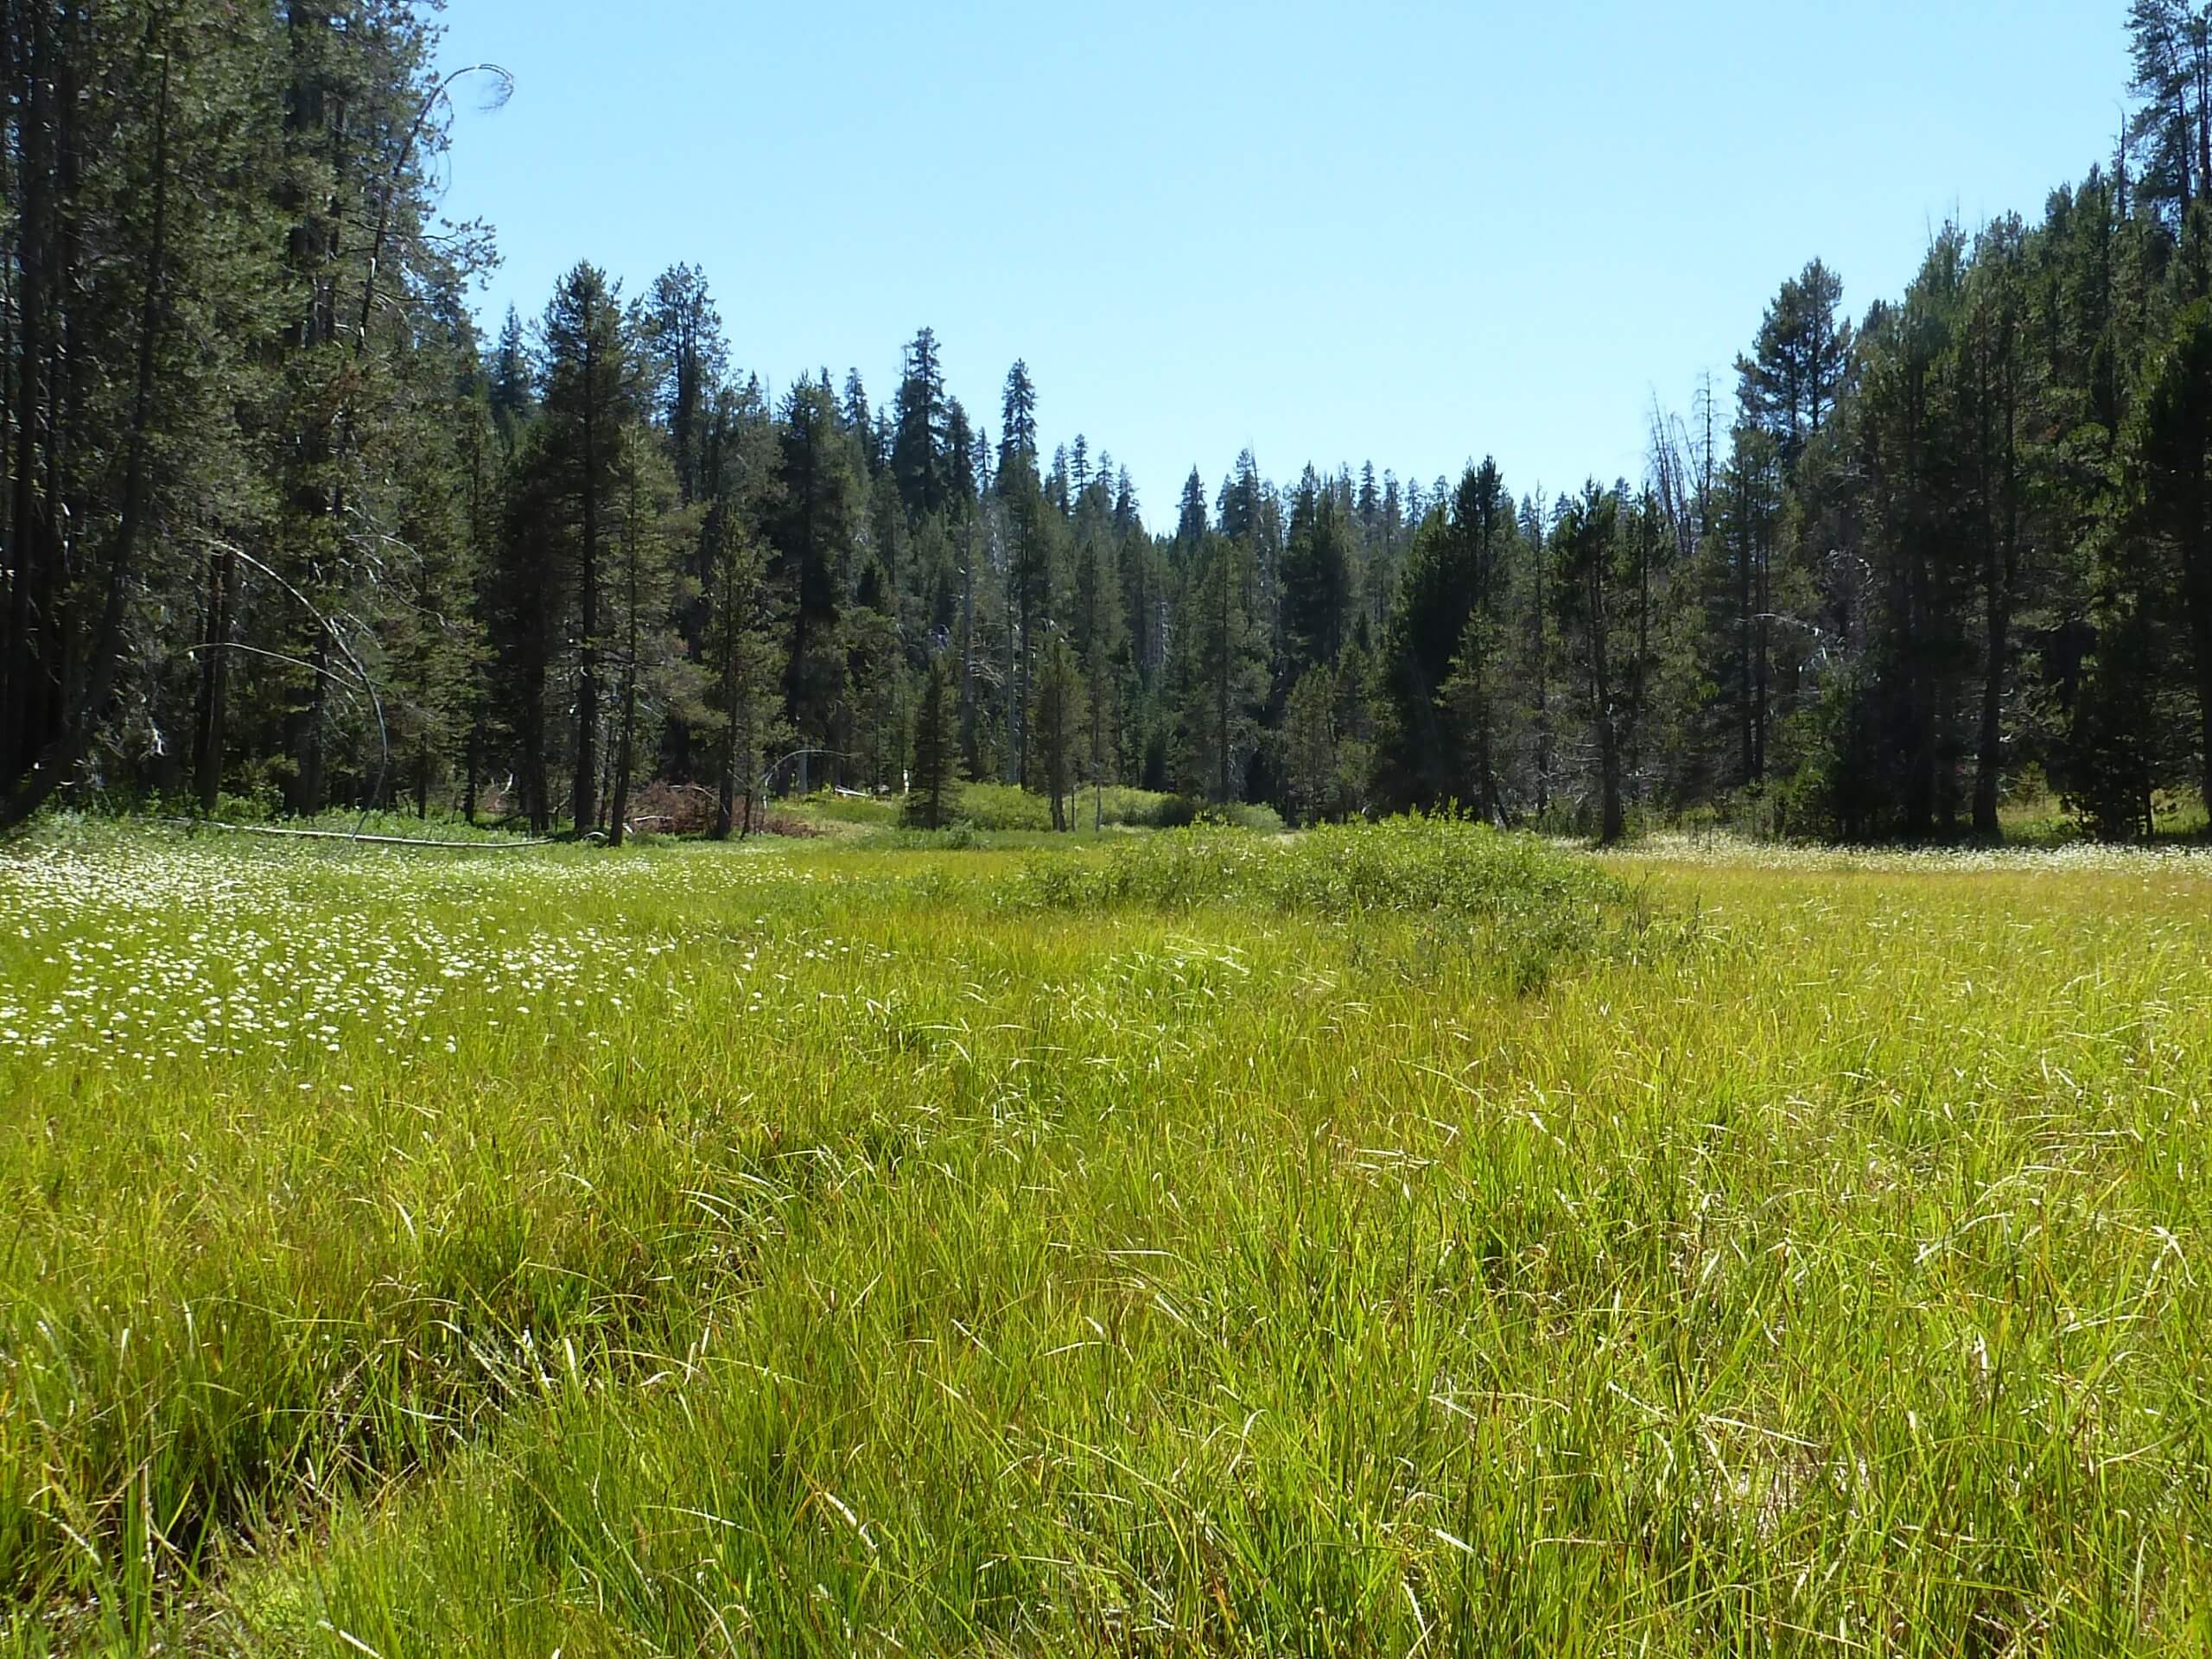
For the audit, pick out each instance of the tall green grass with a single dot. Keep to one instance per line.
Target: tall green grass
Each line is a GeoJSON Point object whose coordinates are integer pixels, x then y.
{"type": "Point", "coordinates": [1004, 807]}
{"type": "Point", "coordinates": [1003, 816]}
{"type": "Point", "coordinates": [1438, 866]}
{"type": "Point", "coordinates": [812, 1251]}
{"type": "Point", "coordinates": [1522, 905]}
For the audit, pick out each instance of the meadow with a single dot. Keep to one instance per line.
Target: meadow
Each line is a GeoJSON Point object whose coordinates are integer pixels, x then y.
{"type": "Point", "coordinates": [1398, 1239]}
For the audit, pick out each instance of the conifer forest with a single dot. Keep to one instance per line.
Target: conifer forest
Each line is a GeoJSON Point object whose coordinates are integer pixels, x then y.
{"type": "Point", "coordinates": [659, 997]}
{"type": "Point", "coordinates": [283, 522]}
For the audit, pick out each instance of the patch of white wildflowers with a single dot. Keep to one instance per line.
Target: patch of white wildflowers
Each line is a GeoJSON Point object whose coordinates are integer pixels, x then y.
{"type": "Point", "coordinates": [139, 951]}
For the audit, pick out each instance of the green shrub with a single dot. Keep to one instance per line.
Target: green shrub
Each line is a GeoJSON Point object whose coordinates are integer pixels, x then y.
{"type": "Point", "coordinates": [999, 807]}
{"type": "Point", "coordinates": [1414, 865]}
{"type": "Point", "coordinates": [1146, 809]}
{"type": "Point", "coordinates": [1243, 815]}
{"type": "Point", "coordinates": [1519, 902]}
{"type": "Point", "coordinates": [1007, 806]}
{"type": "Point", "coordinates": [849, 809]}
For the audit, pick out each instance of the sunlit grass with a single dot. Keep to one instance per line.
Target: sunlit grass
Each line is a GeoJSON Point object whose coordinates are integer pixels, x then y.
{"type": "Point", "coordinates": [808, 1249]}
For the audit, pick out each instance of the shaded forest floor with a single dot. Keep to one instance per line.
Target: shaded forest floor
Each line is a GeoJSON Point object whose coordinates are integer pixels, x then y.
{"type": "Point", "coordinates": [1381, 1241]}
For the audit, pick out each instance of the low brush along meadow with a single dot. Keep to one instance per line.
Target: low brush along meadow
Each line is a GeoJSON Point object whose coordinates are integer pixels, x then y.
{"type": "Point", "coordinates": [1399, 1239]}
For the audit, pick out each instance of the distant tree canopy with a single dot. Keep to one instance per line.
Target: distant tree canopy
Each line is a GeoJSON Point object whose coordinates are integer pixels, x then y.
{"type": "Point", "coordinates": [278, 523]}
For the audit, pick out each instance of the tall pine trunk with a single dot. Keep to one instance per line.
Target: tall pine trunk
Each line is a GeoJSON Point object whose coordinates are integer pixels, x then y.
{"type": "Point", "coordinates": [305, 728]}
{"type": "Point", "coordinates": [2001, 562]}
{"type": "Point", "coordinates": [80, 716]}
{"type": "Point", "coordinates": [473, 763]}
{"type": "Point", "coordinates": [1612, 820]}
{"type": "Point", "coordinates": [625, 747]}
{"type": "Point", "coordinates": [1763, 650]}
{"type": "Point", "coordinates": [2202, 630]}
{"type": "Point", "coordinates": [215, 681]}
{"type": "Point", "coordinates": [725, 748]}
{"type": "Point", "coordinates": [584, 805]}
{"type": "Point", "coordinates": [2197, 577]}
{"type": "Point", "coordinates": [21, 736]}
{"type": "Point", "coordinates": [1221, 678]}
{"type": "Point", "coordinates": [1020, 710]}
{"type": "Point", "coordinates": [1541, 654]}
{"type": "Point", "coordinates": [1746, 696]}
{"type": "Point", "coordinates": [968, 647]}
{"type": "Point", "coordinates": [1989, 743]}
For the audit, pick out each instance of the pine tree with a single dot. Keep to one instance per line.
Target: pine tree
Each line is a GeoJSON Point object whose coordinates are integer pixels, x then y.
{"type": "Point", "coordinates": [1018, 418]}
{"type": "Point", "coordinates": [428, 633]}
{"type": "Point", "coordinates": [1058, 716]}
{"type": "Point", "coordinates": [917, 444]}
{"type": "Point", "coordinates": [1441, 679]}
{"type": "Point", "coordinates": [859, 423]}
{"type": "Point", "coordinates": [1058, 494]}
{"type": "Point", "coordinates": [1586, 543]}
{"type": "Point", "coordinates": [512, 391]}
{"type": "Point", "coordinates": [1750, 503]}
{"type": "Point", "coordinates": [1221, 674]}
{"type": "Point", "coordinates": [1535, 651]}
{"type": "Point", "coordinates": [1321, 767]}
{"type": "Point", "coordinates": [1994, 387]}
{"type": "Point", "coordinates": [1191, 516]}
{"type": "Point", "coordinates": [528, 598]}
{"type": "Point", "coordinates": [745, 654]}
{"type": "Point", "coordinates": [811, 528]}
{"type": "Point", "coordinates": [362, 123]}
{"type": "Point", "coordinates": [1791, 383]}
{"type": "Point", "coordinates": [46, 723]}
{"type": "Point", "coordinates": [682, 336]}
{"type": "Point", "coordinates": [1919, 653]}
{"type": "Point", "coordinates": [937, 746]}
{"type": "Point", "coordinates": [2170, 43]}
{"type": "Point", "coordinates": [1316, 578]}
{"type": "Point", "coordinates": [1097, 628]}
{"type": "Point", "coordinates": [963, 448]}
{"type": "Point", "coordinates": [590, 398]}
{"type": "Point", "coordinates": [1029, 528]}
{"type": "Point", "coordinates": [873, 704]}
{"type": "Point", "coordinates": [651, 661]}
{"type": "Point", "coordinates": [2171, 450]}
{"type": "Point", "coordinates": [1237, 506]}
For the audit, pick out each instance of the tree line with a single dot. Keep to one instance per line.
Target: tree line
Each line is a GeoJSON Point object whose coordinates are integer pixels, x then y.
{"type": "Point", "coordinates": [279, 522]}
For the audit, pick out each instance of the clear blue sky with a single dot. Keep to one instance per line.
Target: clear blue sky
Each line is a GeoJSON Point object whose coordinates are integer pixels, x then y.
{"type": "Point", "coordinates": [1416, 233]}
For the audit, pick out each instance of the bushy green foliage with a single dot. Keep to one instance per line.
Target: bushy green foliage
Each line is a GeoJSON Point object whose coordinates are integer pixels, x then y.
{"type": "Point", "coordinates": [1003, 806]}
{"type": "Point", "coordinates": [1528, 902]}
{"type": "Point", "coordinates": [1412, 864]}
{"type": "Point", "coordinates": [1257, 817]}
{"type": "Point", "coordinates": [834, 808]}
{"type": "Point", "coordinates": [1145, 809]}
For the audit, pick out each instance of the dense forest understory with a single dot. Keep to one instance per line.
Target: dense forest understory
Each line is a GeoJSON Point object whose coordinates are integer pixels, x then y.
{"type": "Point", "coordinates": [280, 527]}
